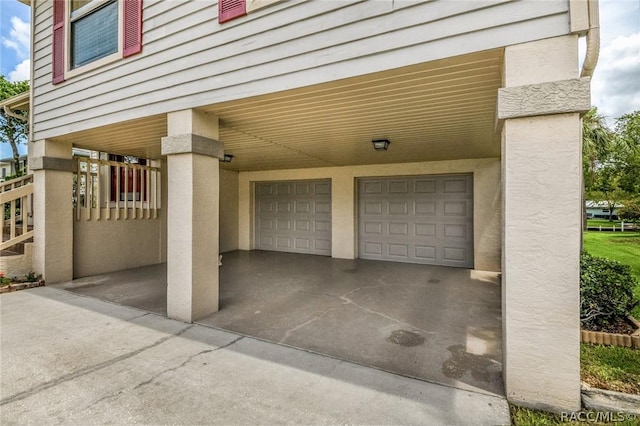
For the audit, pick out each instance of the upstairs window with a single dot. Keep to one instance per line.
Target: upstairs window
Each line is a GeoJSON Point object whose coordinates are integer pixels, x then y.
{"type": "Point", "coordinates": [91, 33]}
{"type": "Point", "coordinates": [94, 30]}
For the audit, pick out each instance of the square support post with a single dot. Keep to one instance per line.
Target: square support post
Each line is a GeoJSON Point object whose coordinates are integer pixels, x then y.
{"type": "Point", "coordinates": [52, 166]}
{"type": "Point", "coordinates": [542, 187]}
{"type": "Point", "coordinates": [193, 154]}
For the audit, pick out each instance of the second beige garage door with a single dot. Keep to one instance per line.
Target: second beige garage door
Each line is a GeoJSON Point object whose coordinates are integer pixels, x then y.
{"type": "Point", "coordinates": [420, 219]}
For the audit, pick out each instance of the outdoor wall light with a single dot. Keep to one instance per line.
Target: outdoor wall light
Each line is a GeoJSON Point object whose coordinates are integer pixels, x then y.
{"type": "Point", "coordinates": [227, 158]}
{"type": "Point", "coordinates": [380, 144]}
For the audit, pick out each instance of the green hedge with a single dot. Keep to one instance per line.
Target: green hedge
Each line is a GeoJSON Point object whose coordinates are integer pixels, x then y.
{"type": "Point", "coordinates": [606, 291]}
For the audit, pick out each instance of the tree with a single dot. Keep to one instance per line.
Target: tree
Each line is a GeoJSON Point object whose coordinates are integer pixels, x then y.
{"type": "Point", "coordinates": [628, 134]}
{"type": "Point", "coordinates": [611, 159]}
{"type": "Point", "coordinates": [631, 211]}
{"type": "Point", "coordinates": [596, 142]}
{"type": "Point", "coordinates": [13, 130]}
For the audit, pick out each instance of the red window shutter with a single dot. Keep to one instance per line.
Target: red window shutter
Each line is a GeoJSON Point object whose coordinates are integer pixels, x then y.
{"type": "Point", "coordinates": [231, 9]}
{"type": "Point", "coordinates": [58, 41]}
{"type": "Point", "coordinates": [132, 34]}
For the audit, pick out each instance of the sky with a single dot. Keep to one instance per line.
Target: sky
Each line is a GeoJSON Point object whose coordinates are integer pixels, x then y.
{"type": "Point", "coordinates": [615, 87]}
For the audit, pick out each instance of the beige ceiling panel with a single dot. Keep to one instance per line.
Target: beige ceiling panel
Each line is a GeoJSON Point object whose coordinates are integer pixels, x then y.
{"type": "Point", "coordinates": [434, 111]}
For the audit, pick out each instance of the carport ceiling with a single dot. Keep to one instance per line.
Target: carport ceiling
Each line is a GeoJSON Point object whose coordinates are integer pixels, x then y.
{"type": "Point", "coordinates": [435, 111]}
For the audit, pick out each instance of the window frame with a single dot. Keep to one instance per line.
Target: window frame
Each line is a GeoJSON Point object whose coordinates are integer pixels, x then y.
{"type": "Point", "coordinates": [86, 10]}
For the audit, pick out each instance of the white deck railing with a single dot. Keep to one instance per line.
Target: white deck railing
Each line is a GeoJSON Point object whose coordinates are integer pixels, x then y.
{"type": "Point", "coordinates": [111, 189]}
{"type": "Point", "coordinates": [16, 198]}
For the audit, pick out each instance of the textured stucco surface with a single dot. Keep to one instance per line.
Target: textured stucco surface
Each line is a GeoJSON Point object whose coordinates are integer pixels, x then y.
{"type": "Point", "coordinates": [18, 265]}
{"type": "Point", "coordinates": [540, 282]}
{"type": "Point", "coordinates": [101, 246]}
{"type": "Point", "coordinates": [228, 210]}
{"type": "Point", "coordinates": [552, 59]}
{"type": "Point", "coordinates": [487, 205]}
{"type": "Point", "coordinates": [190, 143]}
{"type": "Point", "coordinates": [52, 215]}
{"type": "Point", "coordinates": [193, 214]}
{"type": "Point", "coordinates": [546, 98]}
{"type": "Point", "coordinates": [192, 236]}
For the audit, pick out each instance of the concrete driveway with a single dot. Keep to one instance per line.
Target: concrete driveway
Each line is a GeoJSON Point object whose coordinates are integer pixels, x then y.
{"type": "Point", "coordinates": [434, 323]}
{"type": "Point", "coordinates": [69, 359]}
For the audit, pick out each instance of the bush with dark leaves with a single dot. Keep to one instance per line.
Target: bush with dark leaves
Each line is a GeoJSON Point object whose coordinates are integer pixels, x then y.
{"type": "Point", "coordinates": [606, 292]}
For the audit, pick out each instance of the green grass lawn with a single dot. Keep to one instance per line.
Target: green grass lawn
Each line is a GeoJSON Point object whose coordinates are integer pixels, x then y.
{"type": "Point", "coordinates": [621, 246]}
{"type": "Point", "coordinates": [524, 417]}
{"type": "Point", "coordinates": [610, 367]}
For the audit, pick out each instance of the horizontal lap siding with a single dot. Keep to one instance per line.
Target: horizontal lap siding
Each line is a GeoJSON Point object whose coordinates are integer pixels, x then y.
{"type": "Point", "coordinates": [292, 44]}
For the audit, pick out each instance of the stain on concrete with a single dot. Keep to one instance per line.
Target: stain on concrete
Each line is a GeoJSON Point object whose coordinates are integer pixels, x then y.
{"type": "Point", "coordinates": [433, 281]}
{"type": "Point", "coordinates": [481, 367]}
{"type": "Point", "coordinates": [405, 338]}
{"type": "Point", "coordinates": [350, 271]}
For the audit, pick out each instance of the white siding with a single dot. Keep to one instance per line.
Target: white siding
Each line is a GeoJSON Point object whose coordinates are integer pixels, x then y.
{"type": "Point", "coordinates": [189, 60]}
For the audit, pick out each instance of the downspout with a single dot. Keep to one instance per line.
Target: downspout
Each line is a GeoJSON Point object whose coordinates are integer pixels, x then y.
{"type": "Point", "coordinates": [593, 40]}
{"type": "Point", "coordinates": [588, 66]}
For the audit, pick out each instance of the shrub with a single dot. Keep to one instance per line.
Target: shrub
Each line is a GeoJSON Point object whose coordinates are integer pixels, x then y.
{"type": "Point", "coordinates": [606, 291]}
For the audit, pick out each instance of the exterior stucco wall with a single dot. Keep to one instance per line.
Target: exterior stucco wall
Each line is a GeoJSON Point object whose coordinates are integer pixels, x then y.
{"type": "Point", "coordinates": [487, 202]}
{"type": "Point", "coordinates": [101, 246]}
{"type": "Point", "coordinates": [228, 210]}
{"type": "Point", "coordinates": [18, 265]}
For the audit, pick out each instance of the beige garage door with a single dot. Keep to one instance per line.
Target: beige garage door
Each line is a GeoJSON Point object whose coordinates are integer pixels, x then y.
{"type": "Point", "coordinates": [293, 216]}
{"type": "Point", "coordinates": [421, 219]}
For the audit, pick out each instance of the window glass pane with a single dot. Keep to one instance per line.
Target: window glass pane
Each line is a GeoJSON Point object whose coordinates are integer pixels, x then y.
{"type": "Point", "coordinates": [95, 35]}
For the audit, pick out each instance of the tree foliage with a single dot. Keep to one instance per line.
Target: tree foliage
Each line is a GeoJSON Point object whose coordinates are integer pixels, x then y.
{"type": "Point", "coordinates": [611, 159]}
{"type": "Point", "coordinates": [628, 134]}
{"type": "Point", "coordinates": [13, 130]}
{"type": "Point", "coordinates": [596, 141]}
{"type": "Point", "coordinates": [631, 211]}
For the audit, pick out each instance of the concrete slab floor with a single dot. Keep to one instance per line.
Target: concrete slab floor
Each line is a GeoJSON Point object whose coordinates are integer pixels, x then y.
{"type": "Point", "coordinates": [433, 323]}
{"type": "Point", "coordinates": [68, 359]}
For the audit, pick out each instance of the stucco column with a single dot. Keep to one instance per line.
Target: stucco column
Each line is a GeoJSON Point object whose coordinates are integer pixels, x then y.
{"type": "Point", "coordinates": [193, 154]}
{"type": "Point", "coordinates": [343, 240]}
{"type": "Point", "coordinates": [52, 168]}
{"type": "Point", "coordinates": [538, 108]}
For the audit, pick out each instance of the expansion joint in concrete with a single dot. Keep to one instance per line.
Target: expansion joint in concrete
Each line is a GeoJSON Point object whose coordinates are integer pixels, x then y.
{"type": "Point", "coordinates": [87, 370]}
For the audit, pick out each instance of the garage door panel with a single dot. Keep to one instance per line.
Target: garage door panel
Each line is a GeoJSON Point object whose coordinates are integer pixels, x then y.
{"type": "Point", "coordinates": [425, 208]}
{"type": "Point", "coordinates": [398, 187]}
{"type": "Point", "coordinates": [322, 226]}
{"type": "Point", "coordinates": [302, 207]}
{"type": "Point", "coordinates": [425, 252]}
{"type": "Point", "coordinates": [399, 229]}
{"type": "Point", "coordinates": [322, 245]}
{"type": "Point", "coordinates": [424, 219]}
{"type": "Point", "coordinates": [293, 216]}
{"type": "Point", "coordinates": [302, 189]}
{"type": "Point", "coordinates": [322, 188]}
{"type": "Point", "coordinates": [267, 206]}
{"type": "Point", "coordinates": [425, 229]}
{"type": "Point", "coordinates": [425, 186]}
{"type": "Point", "coordinates": [322, 207]}
{"type": "Point", "coordinates": [373, 207]}
{"type": "Point", "coordinates": [283, 225]}
{"type": "Point", "coordinates": [373, 187]}
{"type": "Point", "coordinates": [372, 249]}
